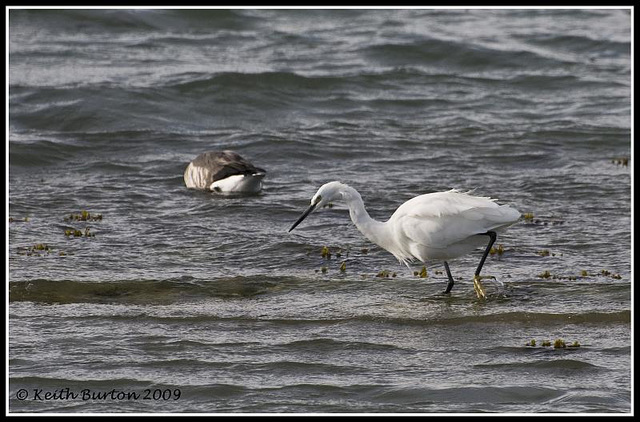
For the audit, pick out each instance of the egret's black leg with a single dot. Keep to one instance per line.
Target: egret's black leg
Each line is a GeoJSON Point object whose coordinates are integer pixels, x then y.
{"type": "Point", "coordinates": [450, 285]}
{"type": "Point", "coordinates": [492, 239]}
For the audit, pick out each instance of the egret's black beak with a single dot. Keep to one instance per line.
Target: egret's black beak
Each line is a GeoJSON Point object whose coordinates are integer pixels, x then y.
{"type": "Point", "coordinates": [303, 216]}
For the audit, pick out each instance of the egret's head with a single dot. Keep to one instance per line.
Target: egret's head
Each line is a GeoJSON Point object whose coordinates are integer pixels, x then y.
{"type": "Point", "coordinates": [327, 193]}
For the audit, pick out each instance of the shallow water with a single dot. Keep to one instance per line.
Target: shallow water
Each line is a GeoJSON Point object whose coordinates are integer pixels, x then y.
{"type": "Point", "coordinates": [210, 299]}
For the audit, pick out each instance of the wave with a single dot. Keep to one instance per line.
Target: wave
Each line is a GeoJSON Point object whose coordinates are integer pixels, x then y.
{"type": "Point", "coordinates": [578, 44]}
{"type": "Point", "coordinates": [551, 365]}
{"type": "Point", "coordinates": [515, 318]}
{"type": "Point", "coordinates": [145, 291]}
{"type": "Point", "coordinates": [132, 20]}
{"type": "Point", "coordinates": [38, 152]}
{"type": "Point", "coordinates": [442, 54]}
{"type": "Point", "coordinates": [319, 345]}
{"type": "Point", "coordinates": [186, 103]}
{"type": "Point", "coordinates": [190, 290]}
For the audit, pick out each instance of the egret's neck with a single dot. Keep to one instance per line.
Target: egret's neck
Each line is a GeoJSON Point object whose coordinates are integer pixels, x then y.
{"type": "Point", "coordinates": [374, 230]}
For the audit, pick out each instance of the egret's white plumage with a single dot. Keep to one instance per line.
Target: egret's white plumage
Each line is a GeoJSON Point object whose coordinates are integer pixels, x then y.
{"type": "Point", "coordinates": [435, 226]}
{"type": "Point", "coordinates": [223, 172]}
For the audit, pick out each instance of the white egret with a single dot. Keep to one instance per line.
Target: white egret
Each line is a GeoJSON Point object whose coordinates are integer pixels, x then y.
{"type": "Point", "coordinates": [223, 172]}
{"type": "Point", "coordinates": [436, 226]}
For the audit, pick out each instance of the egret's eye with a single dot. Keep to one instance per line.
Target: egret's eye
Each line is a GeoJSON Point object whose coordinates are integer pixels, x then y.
{"type": "Point", "coordinates": [318, 199]}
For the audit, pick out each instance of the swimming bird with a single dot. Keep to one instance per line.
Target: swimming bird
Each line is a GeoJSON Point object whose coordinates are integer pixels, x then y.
{"type": "Point", "coordinates": [223, 172]}
{"type": "Point", "coordinates": [435, 226]}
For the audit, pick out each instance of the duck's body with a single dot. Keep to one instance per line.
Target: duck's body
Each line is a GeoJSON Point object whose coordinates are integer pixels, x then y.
{"type": "Point", "coordinates": [223, 172]}
{"type": "Point", "coordinates": [431, 227]}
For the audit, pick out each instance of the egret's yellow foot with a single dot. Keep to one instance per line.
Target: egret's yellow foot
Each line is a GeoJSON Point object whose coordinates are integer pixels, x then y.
{"type": "Point", "coordinates": [477, 286]}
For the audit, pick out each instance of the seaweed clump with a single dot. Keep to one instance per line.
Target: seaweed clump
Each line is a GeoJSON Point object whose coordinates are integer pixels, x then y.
{"type": "Point", "coordinates": [79, 233]}
{"type": "Point", "coordinates": [385, 274]}
{"type": "Point", "coordinates": [621, 161]}
{"type": "Point", "coordinates": [84, 216]}
{"type": "Point", "coordinates": [14, 220]}
{"type": "Point", "coordinates": [327, 254]}
{"type": "Point", "coordinates": [497, 250]}
{"type": "Point", "coordinates": [546, 274]}
{"type": "Point", "coordinates": [422, 273]}
{"type": "Point", "coordinates": [557, 344]}
{"type": "Point", "coordinates": [39, 249]}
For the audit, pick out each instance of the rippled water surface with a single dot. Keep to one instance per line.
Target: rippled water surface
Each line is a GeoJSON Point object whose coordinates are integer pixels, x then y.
{"type": "Point", "coordinates": [210, 299]}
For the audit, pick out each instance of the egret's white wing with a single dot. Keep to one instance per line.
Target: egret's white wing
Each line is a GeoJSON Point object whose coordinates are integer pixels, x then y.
{"type": "Point", "coordinates": [441, 219]}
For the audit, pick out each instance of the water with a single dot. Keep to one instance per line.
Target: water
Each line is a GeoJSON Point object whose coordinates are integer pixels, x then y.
{"type": "Point", "coordinates": [209, 300]}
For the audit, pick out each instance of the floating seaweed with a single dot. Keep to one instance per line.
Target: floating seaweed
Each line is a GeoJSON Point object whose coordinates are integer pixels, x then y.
{"type": "Point", "coordinates": [546, 252]}
{"type": "Point", "coordinates": [497, 250]}
{"type": "Point", "coordinates": [84, 216]}
{"type": "Point", "coordinates": [604, 273]}
{"type": "Point", "coordinates": [325, 252]}
{"type": "Point", "coordinates": [547, 274]}
{"type": "Point", "coordinates": [621, 161]}
{"type": "Point", "coordinates": [79, 233]}
{"type": "Point", "coordinates": [422, 273]}
{"type": "Point", "coordinates": [18, 220]}
{"type": "Point", "coordinates": [608, 273]}
{"type": "Point", "coordinates": [37, 249]}
{"type": "Point", "coordinates": [386, 274]}
{"type": "Point", "coordinates": [559, 344]}
{"type": "Point", "coordinates": [383, 273]}
{"type": "Point", "coordinates": [541, 221]}
{"type": "Point", "coordinates": [343, 266]}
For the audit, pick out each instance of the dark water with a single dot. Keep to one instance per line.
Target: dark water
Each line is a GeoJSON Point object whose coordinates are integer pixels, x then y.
{"type": "Point", "coordinates": [209, 300]}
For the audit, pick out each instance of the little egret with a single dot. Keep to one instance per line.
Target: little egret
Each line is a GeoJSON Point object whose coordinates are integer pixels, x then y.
{"type": "Point", "coordinates": [223, 172]}
{"type": "Point", "coordinates": [436, 226]}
